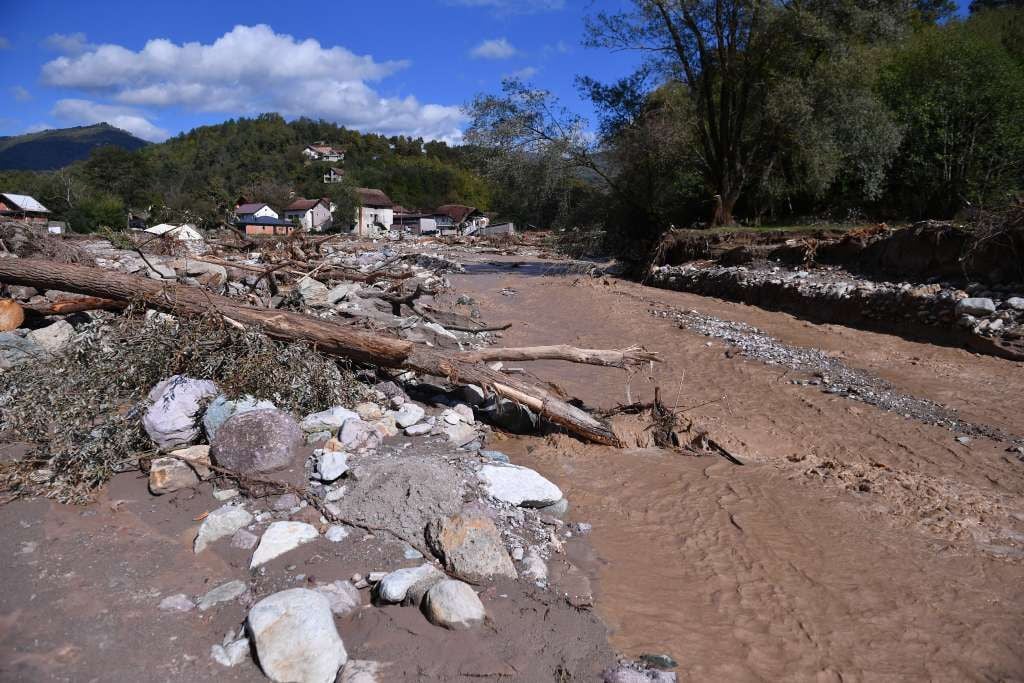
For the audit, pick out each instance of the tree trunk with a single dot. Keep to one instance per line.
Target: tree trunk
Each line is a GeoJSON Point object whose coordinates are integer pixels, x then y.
{"type": "Point", "coordinates": [328, 337]}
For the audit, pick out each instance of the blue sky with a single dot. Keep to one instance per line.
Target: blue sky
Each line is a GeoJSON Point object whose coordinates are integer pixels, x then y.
{"type": "Point", "coordinates": [390, 66]}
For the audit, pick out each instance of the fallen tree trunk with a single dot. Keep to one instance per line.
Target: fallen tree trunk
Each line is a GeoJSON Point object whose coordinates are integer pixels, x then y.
{"type": "Point", "coordinates": [622, 358]}
{"type": "Point", "coordinates": [328, 337]}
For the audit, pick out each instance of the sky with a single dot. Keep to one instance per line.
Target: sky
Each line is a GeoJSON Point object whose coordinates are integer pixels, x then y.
{"type": "Point", "coordinates": [388, 66]}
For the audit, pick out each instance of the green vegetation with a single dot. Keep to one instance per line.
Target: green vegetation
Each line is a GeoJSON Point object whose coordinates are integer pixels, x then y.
{"type": "Point", "coordinates": [51, 149]}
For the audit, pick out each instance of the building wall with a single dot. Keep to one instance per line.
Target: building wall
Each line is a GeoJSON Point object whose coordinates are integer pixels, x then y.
{"type": "Point", "coordinates": [367, 218]}
{"type": "Point", "coordinates": [268, 230]}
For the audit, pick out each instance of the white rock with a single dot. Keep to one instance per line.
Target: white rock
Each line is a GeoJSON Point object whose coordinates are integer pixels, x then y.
{"type": "Point", "coordinates": [225, 494]}
{"type": "Point", "coordinates": [330, 465]}
{"type": "Point", "coordinates": [341, 292]}
{"type": "Point", "coordinates": [419, 429]}
{"type": "Point", "coordinates": [53, 337]}
{"type": "Point", "coordinates": [393, 587]}
{"type": "Point", "coordinates": [358, 434]}
{"type": "Point", "coordinates": [177, 603]}
{"type": "Point", "coordinates": [220, 409]}
{"type": "Point", "coordinates": [295, 636]}
{"type": "Point", "coordinates": [279, 538]}
{"type": "Point", "coordinates": [465, 412]}
{"type": "Point", "coordinates": [460, 434]}
{"type": "Point", "coordinates": [408, 415]}
{"type": "Point", "coordinates": [454, 605]}
{"type": "Point", "coordinates": [171, 420]}
{"type": "Point", "coordinates": [337, 533]}
{"type": "Point", "coordinates": [361, 671]}
{"type": "Point", "coordinates": [232, 654]}
{"type": "Point", "coordinates": [198, 458]}
{"type": "Point", "coordinates": [519, 486]}
{"type": "Point", "coordinates": [343, 596]}
{"type": "Point", "coordinates": [451, 417]}
{"type": "Point", "coordinates": [167, 475]}
{"type": "Point", "coordinates": [979, 306]}
{"type": "Point", "coordinates": [534, 567]}
{"type": "Point", "coordinates": [329, 420]}
{"type": "Point", "coordinates": [222, 593]}
{"type": "Point", "coordinates": [222, 522]}
{"type": "Point", "coordinates": [1016, 303]}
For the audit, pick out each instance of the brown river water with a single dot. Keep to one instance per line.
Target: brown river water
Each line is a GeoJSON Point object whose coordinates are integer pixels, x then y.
{"type": "Point", "coordinates": [780, 569]}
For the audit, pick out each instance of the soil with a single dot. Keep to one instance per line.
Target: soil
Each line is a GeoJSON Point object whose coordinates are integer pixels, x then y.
{"type": "Point", "coordinates": [854, 543]}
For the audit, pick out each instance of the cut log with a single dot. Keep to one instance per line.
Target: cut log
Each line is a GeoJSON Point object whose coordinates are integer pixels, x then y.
{"type": "Point", "coordinates": [75, 305]}
{"type": "Point", "coordinates": [328, 337]}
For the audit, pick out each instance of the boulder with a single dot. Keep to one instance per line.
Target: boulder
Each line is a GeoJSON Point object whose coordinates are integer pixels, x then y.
{"type": "Point", "coordinates": [222, 522]}
{"type": "Point", "coordinates": [977, 306]}
{"type": "Point", "coordinates": [279, 538]}
{"type": "Point", "coordinates": [198, 458]}
{"type": "Point", "coordinates": [221, 408]}
{"type": "Point", "coordinates": [256, 441]}
{"type": "Point", "coordinates": [329, 420]}
{"type": "Point", "coordinates": [519, 486]}
{"type": "Point", "coordinates": [313, 293]}
{"type": "Point", "coordinates": [295, 637]}
{"type": "Point", "coordinates": [470, 548]}
{"type": "Point", "coordinates": [454, 605]}
{"type": "Point", "coordinates": [167, 475]}
{"type": "Point", "coordinates": [419, 429]}
{"type": "Point", "coordinates": [1016, 303]}
{"type": "Point", "coordinates": [15, 349]}
{"type": "Point", "coordinates": [356, 434]}
{"type": "Point", "coordinates": [460, 434]}
{"type": "Point", "coordinates": [394, 587]}
{"type": "Point", "coordinates": [53, 337]}
{"type": "Point", "coordinates": [172, 419]}
{"type": "Point", "coordinates": [330, 465]}
{"type": "Point", "coordinates": [408, 415]}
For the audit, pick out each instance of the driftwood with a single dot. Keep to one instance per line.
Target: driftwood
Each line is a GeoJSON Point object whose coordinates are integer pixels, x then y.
{"type": "Point", "coordinates": [74, 305]}
{"type": "Point", "coordinates": [328, 337]}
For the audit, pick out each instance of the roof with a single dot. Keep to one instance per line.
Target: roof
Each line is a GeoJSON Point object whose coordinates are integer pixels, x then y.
{"type": "Point", "coordinates": [252, 207]}
{"type": "Point", "coordinates": [24, 202]}
{"type": "Point", "coordinates": [457, 212]}
{"type": "Point", "coordinates": [301, 204]}
{"type": "Point", "coordinates": [369, 196]}
{"type": "Point", "coordinates": [324, 149]}
{"type": "Point", "coordinates": [338, 171]}
{"type": "Point", "coordinates": [182, 232]}
{"type": "Point", "coordinates": [264, 220]}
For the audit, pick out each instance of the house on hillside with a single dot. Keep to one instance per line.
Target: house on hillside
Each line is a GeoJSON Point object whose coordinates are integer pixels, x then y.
{"type": "Point", "coordinates": [313, 215]}
{"type": "Point", "coordinates": [185, 232]}
{"type": "Point", "coordinates": [460, 218]}
{"type": "Point", "coordinates": [23, 208]}
{"type": "Point", "coordinates": [334, 175]}
{"type": "Point", "coordinates": [321, 151]}
{"type": "Point", "coordinates": [265, 226]}
{"type": "Point", "coordinates": [251, 210]}
{"type": "Point", "coordinates": [375, 213]}
{"type": "Point", "coordinates": [417, 223]}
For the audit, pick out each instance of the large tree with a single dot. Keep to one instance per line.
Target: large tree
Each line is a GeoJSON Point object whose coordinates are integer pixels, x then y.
{"type": "Point", "coordinates": [738, 60]}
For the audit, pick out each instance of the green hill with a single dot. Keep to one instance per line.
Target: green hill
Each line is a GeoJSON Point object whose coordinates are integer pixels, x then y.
{"type": "Point", "coordinates": [52, 149]}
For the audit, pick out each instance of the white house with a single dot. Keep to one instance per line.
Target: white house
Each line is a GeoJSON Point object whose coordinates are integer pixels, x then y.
{"type": "Point", "coordinates": [375, 213]}
{"type": "Point", "coordinates": [253, 210]}
{"type": "Point", "coordinates": [313, 215]}
{"type": "Point", "coordinates": [334, 175]}
{"type": "Point", "coordinates": [321, 151]}
{"type": "Point", "coordinates": [185, 231]}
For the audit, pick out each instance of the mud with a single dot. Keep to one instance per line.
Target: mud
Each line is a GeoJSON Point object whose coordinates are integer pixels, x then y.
{"type": "Point", "coordinates": [855, 543]}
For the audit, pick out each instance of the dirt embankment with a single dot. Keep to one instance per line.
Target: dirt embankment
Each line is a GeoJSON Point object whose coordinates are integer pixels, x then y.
{"type": "Point", "coordinates": [854, 543]}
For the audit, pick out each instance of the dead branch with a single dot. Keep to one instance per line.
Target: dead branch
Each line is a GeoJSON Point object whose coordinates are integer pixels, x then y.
{"type": "Point", "coordinates": [622, 358]}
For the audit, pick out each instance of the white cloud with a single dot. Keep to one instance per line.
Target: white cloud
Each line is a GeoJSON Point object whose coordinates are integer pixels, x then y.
{"type": "Point", "coordinates": [84, 112]}
{"type": "Point", "coordinates": [249, 70]}
{"type": "Point", "coordinates": [524, 74]}
{"type": "Point", "coordinates": [512, 6]}
{"type": "Point", "coordinates": [68, 43]}
{"type": "Point", "coordinates": [496, 48]}
{"type": "Point", "coordinates": [38, 127]}
{"type": "Point", "coordinates": [20, 94]}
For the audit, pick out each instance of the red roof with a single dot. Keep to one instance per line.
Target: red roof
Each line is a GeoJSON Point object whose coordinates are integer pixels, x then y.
{"type": "Point", "coordinates": [249, 208]}
{"type": "Point", "coordinates": [457, 212]}
{"type": "Point", "coordinates": [372, 197]}
{"type": "Point", "coordinates": [301, 204]}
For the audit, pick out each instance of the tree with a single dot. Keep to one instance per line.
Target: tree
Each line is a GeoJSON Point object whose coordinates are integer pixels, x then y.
{"type": "Point", "coordinates": [981, 5]}
{"type": "Point", "coordinates": [730, 55]}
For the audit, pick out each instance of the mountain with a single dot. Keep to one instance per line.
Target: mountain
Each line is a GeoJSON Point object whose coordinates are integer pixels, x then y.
{"type": "Point", "coordinates": [50, 149]}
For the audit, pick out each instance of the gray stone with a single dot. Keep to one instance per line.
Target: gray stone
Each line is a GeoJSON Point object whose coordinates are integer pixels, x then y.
{"type": "Point", "coordinates": [167, 475]}
{"type": "Point", "coordinates": [295, 637]}
{"type": "Point", "coordinates": [559, 509]}
{"type": "Point", "coordinates": [159, 271]}
{"type": "Point", "coordinates": [220, 523]}
{"type": "Point", "coordinates": [343, 596]}
{"type": "Point", "coordinates": [460, 434]}
{"type": "Point", "coordinates": [419, 429]}
{"type": "Point", "coordinates": [392, 589]}
{"type": "Point", "coordinates": [362, 671]}
{"type": "Point", "coordinates": [232, 654]}
{"type": "Point", "coordinates": [330, 465]}
{"type": "Point", "coordinates": [222, 593]}
{"type": "Point", "coordinates": [465, 412]}
{"type": "Point", "coordinates": [313, 293]}
{"type": "Point", "coordinates": [534, 567]}
{"type": "Point", "coordinates": [337, 533]}
{"type": "Point", "coordinates": [454, 605]}
{"type": "Point", "coordinates": [287, 502]}
{"type": "Point", "coordinates": [470, 548]}
{"type": "Point", "coordinates": [197, 457]}
{"type": "Point", "coordinates": [408, 415]}
{"type": "Point", "coordinates": [355, 434]}
{"type": "Point", "coordinates": [341, 292]}
{"type": "Point", "coordinates": [519, 486]}
{"type": "Point", "coordinates": [629, 674]}
{"type": "Point", "coordinates": [978, 306]}
{"type": "Point", "coordinates": [15, 349]}
{"type": "Point", "coordinates": [1016, 303]}
{"type": "Point", "coordinates": [53, 337]}
{"type": "Point", "coordinates": [244, 540]}
{"type": "Point", "coordinates": [223, 495]}
{"type": "Point", "coordinates": [257, 441]}
{"type": "Point", "coordinates": [221, 408]}
{"type": "Point", "coordinates": [279, 538]}
{"type": "Point", "coordinates": [177, 603]}
{"type": "Point", "coordinates": [171, 420]}
{"type": "Point", "coordinates": [496, 456]}
{"type": "Point", "coordinates": [329, 420]}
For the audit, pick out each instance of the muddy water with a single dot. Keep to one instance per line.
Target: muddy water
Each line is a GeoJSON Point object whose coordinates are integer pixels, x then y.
{"type": "Point", "coordinates": [780, 568]}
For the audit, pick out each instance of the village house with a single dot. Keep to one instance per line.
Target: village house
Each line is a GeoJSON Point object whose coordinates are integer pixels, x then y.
{"type": "Point", "coordinates": [265, 226]}
{"type": "Point", "coordinates": [415, 222]}
{"type": "Point", "coordinates": [23, 208]}
{"type": "Point", "coordinates": [321, 151]}
{"type": "Point", "coordinates": [313, 215]}
{"type": "Point", "coordinates": [334, 175]}
{"type": "Point", "coordinates": [375, 213]}
{"type": "Point", "coordinates": [250, 210]}
{"type": "Point", "coordinates": [460, 218]}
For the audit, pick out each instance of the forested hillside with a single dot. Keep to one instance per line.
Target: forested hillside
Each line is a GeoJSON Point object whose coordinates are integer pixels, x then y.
{"type": "Point", "coordinates": [52, 149]}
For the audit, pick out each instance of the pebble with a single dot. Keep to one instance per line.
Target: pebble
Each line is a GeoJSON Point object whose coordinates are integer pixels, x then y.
{"type": "Point", "coordinates": [281, 537]}
{"type": "Point", "coordinates": [329, 420]}
{"type": "Point", "coordinates": [225, 494]}
{"type": "Point", "coordinates": [232, 654]}
{"type": "Point", "coordinates": [465, 412]}
{"type": "Point", "coordinates": [418, 429]}
{"type": "Point", "coordinates": [343, 596]}
{"type": "Point", "coordinates": [460, 434]}
{"type": "Point", "coordinates": [337, 533]}
{"type": "Point", "coordinates": [177, 603]}
{"type": "Point", "coordinates": [470, 548]}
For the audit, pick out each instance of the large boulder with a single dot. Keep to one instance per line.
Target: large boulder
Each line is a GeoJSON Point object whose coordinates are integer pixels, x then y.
{"type": "Point", "coordinates": [222, 408]}
{"type": "Point", "coordinates": [172, 420]}
{"type": "Point", "coordinates": [295, 637]}
{"type": "Point", "coordinates": [519, 486]}
{"type": "Point", "coordinates": [978, 306]}
{"type": "Point", "coordinates": [255, 441]}
{"type": "Point", "coordinates": [454, 605]}
{"type": "Point", "coordinates": [470, 547]}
